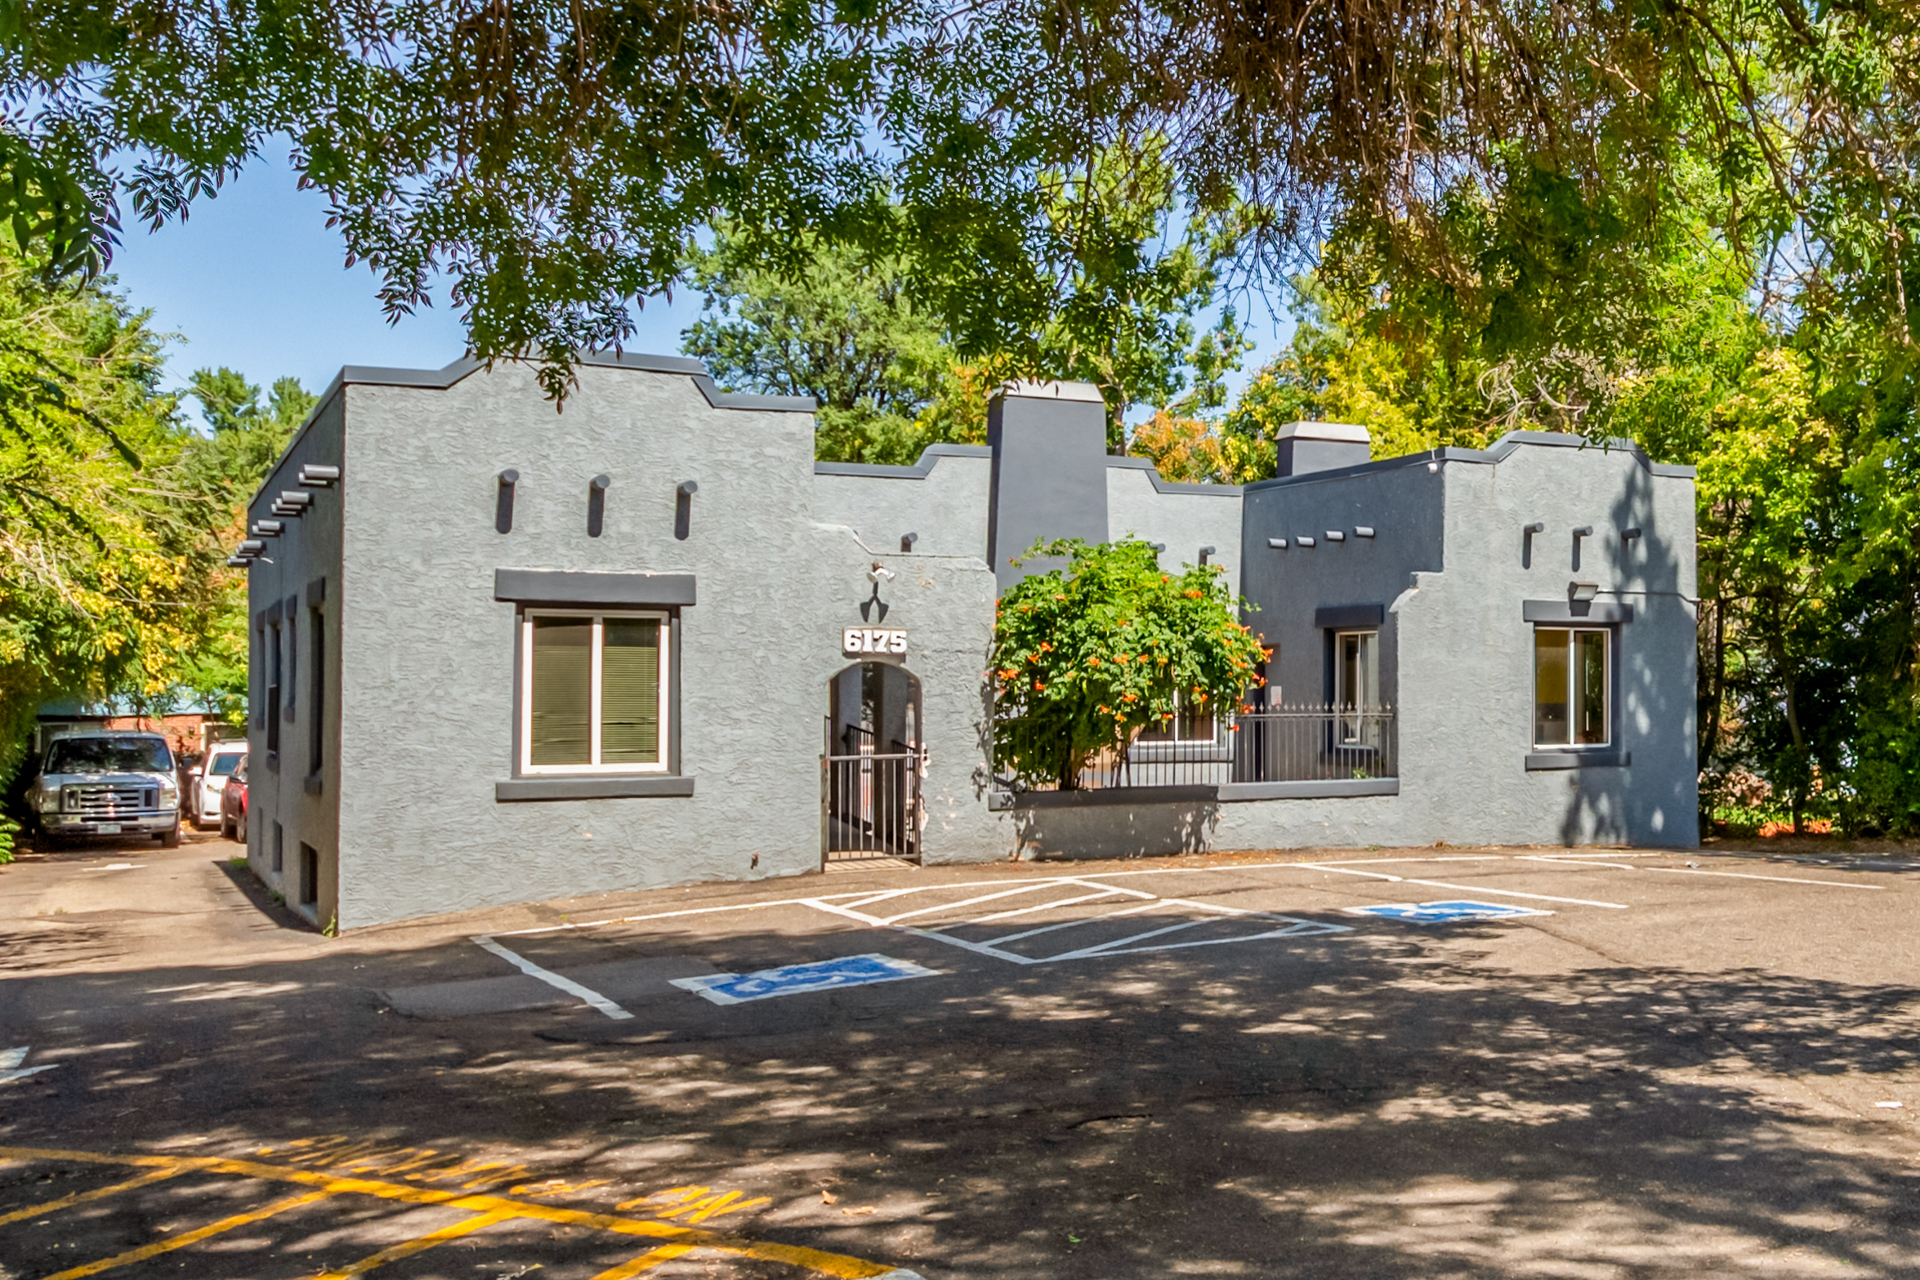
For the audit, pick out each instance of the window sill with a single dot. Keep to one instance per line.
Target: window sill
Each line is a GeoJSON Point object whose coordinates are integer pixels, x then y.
{"type": "Point", "coordinates": [1318, 789]}
{"type": "Point", "coordinates": [1602, 759]}
{"type": "Point", "coordinates": [591, 788]}
{"type": "Point", "coordinates": [313, 784]}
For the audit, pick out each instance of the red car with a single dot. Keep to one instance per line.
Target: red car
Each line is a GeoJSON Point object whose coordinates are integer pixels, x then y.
{"type": "Point", "coordinates": [233, 804]}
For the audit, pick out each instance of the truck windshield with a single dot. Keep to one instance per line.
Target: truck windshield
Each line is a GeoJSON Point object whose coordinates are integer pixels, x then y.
{"type": "Point", "coordinates": [109, 755]}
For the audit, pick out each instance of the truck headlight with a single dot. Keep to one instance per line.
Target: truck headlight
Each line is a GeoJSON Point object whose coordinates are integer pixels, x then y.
{"type": "Point", "coordinates": [47, 801]}
{"type": "Point", "coordinates": [168, 791]}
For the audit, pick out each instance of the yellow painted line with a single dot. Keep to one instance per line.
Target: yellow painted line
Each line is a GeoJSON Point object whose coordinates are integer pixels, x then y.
{"type": "Point", "coordinates": [419, 1244]}
{"type": "Point", "coordinates": [83, 1197]}
{"type": "Point", "coordinates": [645, 1262]}
{"type": "Point", "coordinates": [186, 1238]}
{"type": "Point", "coordinates": [839, 1265]}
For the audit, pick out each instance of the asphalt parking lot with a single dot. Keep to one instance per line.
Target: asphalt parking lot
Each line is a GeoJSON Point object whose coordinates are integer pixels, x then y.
{"type": "Point", "coordinates": [1515, 1062]}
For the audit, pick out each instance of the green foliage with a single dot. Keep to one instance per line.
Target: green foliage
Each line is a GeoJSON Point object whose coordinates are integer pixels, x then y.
{"type": "Point", "coordinates": [842, 331]}
{"type": "Point", "coordinates": [1086, 657]}
{"type": "Point", "coordinates": [105, 585]}
{"type": "Point", "coordinates": [224, 469]}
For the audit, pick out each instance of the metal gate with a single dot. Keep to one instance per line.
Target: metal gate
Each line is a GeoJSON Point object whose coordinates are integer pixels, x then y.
{"type": "Point", "coordinates": [872, 802]}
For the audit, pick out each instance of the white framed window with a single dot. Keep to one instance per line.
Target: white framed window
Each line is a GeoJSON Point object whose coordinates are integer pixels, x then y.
{"type": "Point", "coordinates": [1188, 727]}
{"type": "Point", "coordinates": [1356, 682]}
{"type": "Point", "coordinates": [593, 692]}
{"type": "Point", "coordinates": [1572, 686]}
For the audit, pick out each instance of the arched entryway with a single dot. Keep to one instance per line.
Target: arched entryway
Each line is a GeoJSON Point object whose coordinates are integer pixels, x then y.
{"type": "Point", "coordinates": [873, 764]}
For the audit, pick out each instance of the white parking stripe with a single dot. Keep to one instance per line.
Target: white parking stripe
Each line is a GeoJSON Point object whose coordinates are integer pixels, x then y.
{"type": "Point", "coordinates": [1046, 906]}
{"type": "Point", "coordinates": [552, 979]}
{"type": "Point", "coordinates": [1695, 871]}
{"type": "Point", "coordinates": [1464, 888]}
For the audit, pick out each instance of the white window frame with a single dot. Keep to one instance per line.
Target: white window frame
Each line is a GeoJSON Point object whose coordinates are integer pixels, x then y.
{"type": "Point", "coordinates": [1573, 675]}
{"type": "Point", "coordinates": [1173, 739]}
{"type": "Point", "coordinates": [597, 649]}
{"type": "Point", "coordinates": [1353, 724]}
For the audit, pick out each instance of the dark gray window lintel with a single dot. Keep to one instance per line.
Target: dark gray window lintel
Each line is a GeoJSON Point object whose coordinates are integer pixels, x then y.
{"type": "Point", "coordinates": [567, 587]}
{"type": "Point", "coordinates": [1575, 611]}
{"type": "Point", "coordinates": [1339, 616]}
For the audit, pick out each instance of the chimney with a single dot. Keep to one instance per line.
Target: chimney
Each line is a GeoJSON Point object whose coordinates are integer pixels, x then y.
{"type": "Point", "coordinates": [1321, 446]}
{"type": "Point", "coordinates": [1049, 442]}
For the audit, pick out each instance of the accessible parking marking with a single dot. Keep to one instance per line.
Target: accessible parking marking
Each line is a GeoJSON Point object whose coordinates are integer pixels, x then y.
{"type": "Point", "coordinates": [793, 979]}
{"type": "Point", "coordinates": [1445, 912]}
{"type": "Point", "coordinates": [1079, 891]}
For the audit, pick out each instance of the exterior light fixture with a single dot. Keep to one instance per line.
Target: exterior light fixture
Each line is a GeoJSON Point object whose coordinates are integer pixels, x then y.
{"type": "Point", "coordinates": [1538, 526]}
{"type": "Point", "coordinates": [503, 503]}
{"type": "Point", "coordinates": [315, 476]}
{"type": "Point", "coordinates": [1206, 553]}
{"type": "Point", "coordinates": [1582, 592]}
{"type": "Point", "coordinates": [1629, 535]}
{"type": "Point", "coordinates": [683, 508]}
{"type": "Point", "coordinates": [1432, 467]}
{"type": "Point", "coordinates": [1277, 544]}
{"type": "Point", "coordinates": [294, 498]}
{"type": "Point", "coordinates": [1336, 535]}
{"type": "Point", "coordinates": [267, 528]}
{"type": "Point", "coordinates": [907, 540]}
{"type": "Point", "coordinates": [1303, 541]}
{"type": "Point", "coordinates": [251, 547]}
{"type": "Point", "coordinates": [1363, 531]}
{"type": "Point", "coordinates": [238, 562]}
{"type": "Point", "coordinates": [1158, 547]}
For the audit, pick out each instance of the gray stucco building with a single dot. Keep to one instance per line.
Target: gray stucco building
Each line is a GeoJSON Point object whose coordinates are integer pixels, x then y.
{"type": "Point", "coordinates": [502, 654]}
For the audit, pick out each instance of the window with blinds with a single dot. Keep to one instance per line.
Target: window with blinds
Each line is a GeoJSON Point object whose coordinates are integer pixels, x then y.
{"type": "Point", "coordinates": [595, 693]}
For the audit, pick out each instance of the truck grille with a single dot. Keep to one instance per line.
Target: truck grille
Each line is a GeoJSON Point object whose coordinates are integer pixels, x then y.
{"type": "Point", "coordinates": [108, 801]}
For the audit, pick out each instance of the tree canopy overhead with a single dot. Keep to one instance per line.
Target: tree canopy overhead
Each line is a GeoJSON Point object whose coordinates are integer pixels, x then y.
{"type": "Point", "coordinates": [552, 159]}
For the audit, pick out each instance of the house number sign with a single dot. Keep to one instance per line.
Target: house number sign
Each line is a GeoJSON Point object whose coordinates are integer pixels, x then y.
{"type": "Point", "coordinates": [856, 640]}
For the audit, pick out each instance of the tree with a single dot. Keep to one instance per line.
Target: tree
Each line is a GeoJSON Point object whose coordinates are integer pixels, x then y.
{"type": "Point", "coordinates": [1112, 292]}
{"type": "Point", "coordinates": [223, 469]}
{"type": "Point", "coordinates": [843, 331]}
{"type": "Point", "coordinates": [104, 553]}
{"type": "Point", "coordinates": [1086, 657]}
{"type": "Point", "coordinates": [553, 159]}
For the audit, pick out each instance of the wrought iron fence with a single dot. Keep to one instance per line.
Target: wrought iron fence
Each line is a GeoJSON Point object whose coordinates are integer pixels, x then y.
{"type": "Point", "coordinates": [1284, 744]}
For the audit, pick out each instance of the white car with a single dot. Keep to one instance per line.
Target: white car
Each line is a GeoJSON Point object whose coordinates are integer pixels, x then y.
{"type": "Point", "coordinates": [210, 779]}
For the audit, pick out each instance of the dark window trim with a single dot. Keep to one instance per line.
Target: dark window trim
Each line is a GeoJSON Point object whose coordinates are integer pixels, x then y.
{"type": "Point", "coordinates": [1591, 613]}
{"type": "Point", "coordinates": [1591, 758]}
{"type": "Point", "coordinates": [592, 787]}
{"type": "Point", "coordinates": [554, 588]}
{"type": "Point", "coordinates": [1349, 617]}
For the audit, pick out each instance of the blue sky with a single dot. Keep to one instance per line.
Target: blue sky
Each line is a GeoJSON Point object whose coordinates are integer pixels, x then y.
{"type": "Point", "coordinates": [254, 280]}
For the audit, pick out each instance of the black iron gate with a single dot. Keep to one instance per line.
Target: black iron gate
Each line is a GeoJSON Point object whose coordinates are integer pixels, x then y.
{"type": "Point", "coordinates": [872, 799]}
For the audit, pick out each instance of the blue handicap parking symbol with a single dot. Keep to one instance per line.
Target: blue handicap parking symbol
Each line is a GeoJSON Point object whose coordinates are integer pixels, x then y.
{"type": "Point", "coordinates": [824, 975]}
{"type": "Point", "coordinates": [1444, 912]}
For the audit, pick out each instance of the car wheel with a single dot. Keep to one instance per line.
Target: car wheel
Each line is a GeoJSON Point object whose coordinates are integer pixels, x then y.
{"type": "Point", "coordinates": [45, 841]}
{"type": "Point", "coordinates": [240, 827]}
{"type": "Point", "coordinates": [170, 838]}
{"type": "Point", "coordinates": [226, 826]}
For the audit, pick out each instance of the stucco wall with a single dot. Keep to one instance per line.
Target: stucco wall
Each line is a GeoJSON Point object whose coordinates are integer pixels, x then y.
{"type": "Point", "coordinates": [429, 714]}
{"type": "Point", "coordinates": [1183, 519]}
{"type": "Point", "coordinates": [1402, 502]}
{"type": "Point", "coordinates": [943, 499]}
{"type": "Point", "coordinates": [308, 551]}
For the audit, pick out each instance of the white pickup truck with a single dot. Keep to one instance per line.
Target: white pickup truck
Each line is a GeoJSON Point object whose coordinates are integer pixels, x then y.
{"type": "Point", "coordinates": [105, 784]}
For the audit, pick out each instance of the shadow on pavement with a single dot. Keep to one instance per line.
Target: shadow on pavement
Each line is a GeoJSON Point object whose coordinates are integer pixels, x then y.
{"type": "Point", "coordinates": [1371, 1105]}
